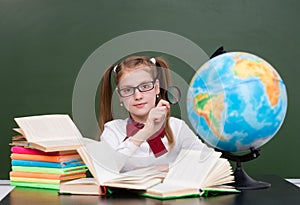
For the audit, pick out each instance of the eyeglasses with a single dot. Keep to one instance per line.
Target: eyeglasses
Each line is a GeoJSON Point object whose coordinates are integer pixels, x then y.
{"type": "Point", "coordinates": [144, 87]}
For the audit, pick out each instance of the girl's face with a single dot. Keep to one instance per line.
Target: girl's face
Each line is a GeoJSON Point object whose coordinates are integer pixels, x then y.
{"type": "Point", "coordinates": [138, 103]}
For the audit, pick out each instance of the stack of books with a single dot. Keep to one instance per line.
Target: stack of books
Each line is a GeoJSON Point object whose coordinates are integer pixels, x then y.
{"type": "Point", "coordinates": [44, 152]}
{"type": "Point", "coordinates": [35, 168]}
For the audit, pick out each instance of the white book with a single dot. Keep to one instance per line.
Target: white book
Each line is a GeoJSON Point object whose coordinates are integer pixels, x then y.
{"type": "Point", "coordinates": [105, 164]}
{"type": "Point", "coordinates": [54, 132]}
{"type": "Point", "coordinates": [195, 173]}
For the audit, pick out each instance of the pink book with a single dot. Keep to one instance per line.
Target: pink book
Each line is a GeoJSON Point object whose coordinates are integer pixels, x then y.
{"type": "Point", "coordinates": [23, 150]}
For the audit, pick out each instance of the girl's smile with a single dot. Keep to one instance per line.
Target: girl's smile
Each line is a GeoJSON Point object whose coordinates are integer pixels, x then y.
{"type": "Point", "coordinates": [140, 105]}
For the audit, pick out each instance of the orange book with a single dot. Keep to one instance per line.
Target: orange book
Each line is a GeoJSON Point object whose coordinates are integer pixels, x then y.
{"type": "Point", "coordinates": [61, 177]}
{"type": "Point", "coordinates": [44, 158]}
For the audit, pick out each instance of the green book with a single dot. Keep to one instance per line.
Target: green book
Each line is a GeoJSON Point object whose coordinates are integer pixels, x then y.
{"type": "Point", "coordinates": [174, 192]}
{"type": "Point", "coordinates": [69, 170]}
{"type": "Point", "coordinates": [35, 185]}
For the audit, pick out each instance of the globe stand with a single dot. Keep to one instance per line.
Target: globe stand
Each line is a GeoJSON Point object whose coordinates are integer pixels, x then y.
{"type": "Point", "coordinates": [242, 180]}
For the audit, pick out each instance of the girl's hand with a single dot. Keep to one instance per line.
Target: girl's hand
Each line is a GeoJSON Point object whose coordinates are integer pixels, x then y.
{"type": "Point", "coordinates": [156, 120]}
{"type": "Point", "coordinates": [157, 116]}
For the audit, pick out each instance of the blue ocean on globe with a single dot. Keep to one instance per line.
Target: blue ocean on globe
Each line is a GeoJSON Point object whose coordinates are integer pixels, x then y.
{"type": "Point", "coordinates": [236, 101]}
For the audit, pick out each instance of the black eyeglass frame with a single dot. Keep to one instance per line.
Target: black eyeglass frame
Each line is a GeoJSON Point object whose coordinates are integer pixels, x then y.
{"type": "Point", "coordinates": [136, 87]}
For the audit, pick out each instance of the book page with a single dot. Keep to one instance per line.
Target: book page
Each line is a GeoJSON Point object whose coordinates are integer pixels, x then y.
{"type": "Point", "coordinates": [59, 143]}
{"type": "Point", "coordinates": [192, 167]}
{"type": "Point", "coordinates": [18, 130]}
{"type": "Point", "coordinates": [88, 161]}
{"type": "Point", "coordinates": [171, 190]}
{"type": "Point", "coordinates": [143, 172]}
{"type": "Point", "coordinates": [139, 186]}
{"type": "Point", "coordinates": [65, 142]}
{"type": "Point", "coordinates": [82, 181]}
{"type": "Point", "coordinates": [85, 186]}
{"type": "Point", "coordinates": [220, 174]}
{"type": "Point", "coordinates": [140, 175]}
{"type": "Point", "coordinates": [45, 127]}
{"type": "Point", "coordinates": [106, 161]}
{"type": "Point", "coordinates": [167, 187]}
{"type": "Point", "coordinates": [55, 145]}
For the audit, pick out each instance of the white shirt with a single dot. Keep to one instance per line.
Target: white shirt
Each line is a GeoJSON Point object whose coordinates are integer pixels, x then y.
{"type": "Point", "coordinates": [141, 156]}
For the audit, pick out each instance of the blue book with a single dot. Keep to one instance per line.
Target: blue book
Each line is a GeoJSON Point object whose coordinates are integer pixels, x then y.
{"type": "Point", "coordinates": [29, 163]}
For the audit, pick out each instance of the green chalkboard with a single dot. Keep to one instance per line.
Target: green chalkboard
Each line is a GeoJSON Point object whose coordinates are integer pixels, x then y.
{"type": "Point", "coordinates": [44, 44]}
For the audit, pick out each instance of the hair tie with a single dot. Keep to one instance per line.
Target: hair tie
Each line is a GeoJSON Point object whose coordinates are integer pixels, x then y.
{"type": "Point", "coordinates": [153, 60]}
{"type": "Point", "coordinates": [115, 68]}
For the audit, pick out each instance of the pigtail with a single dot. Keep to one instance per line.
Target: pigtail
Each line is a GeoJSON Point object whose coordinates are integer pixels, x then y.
{"type": "Point", "coordinates": [165, 70]}
{"type": "Point", "coordinates": [164, 77]}
{"type": "Point", "coordinates": [105, 112]}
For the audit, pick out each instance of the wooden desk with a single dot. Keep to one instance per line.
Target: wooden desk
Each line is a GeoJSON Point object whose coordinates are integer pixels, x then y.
{"type": "Point", "coordinates": [281, 192]}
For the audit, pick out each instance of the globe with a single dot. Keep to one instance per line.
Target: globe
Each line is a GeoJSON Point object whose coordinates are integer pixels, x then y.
{"type": "Point", "coordinates": [236, 102]}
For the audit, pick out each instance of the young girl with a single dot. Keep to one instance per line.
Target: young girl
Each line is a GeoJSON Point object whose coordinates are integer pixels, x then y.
{"type": "Point", "coordinates": [149, 136]}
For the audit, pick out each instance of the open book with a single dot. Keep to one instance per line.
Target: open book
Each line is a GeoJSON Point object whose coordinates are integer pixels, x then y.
{"type": "Point", "coordinates": [83, 186]}
{"type": "Point", "coordinates": [55, 132]}
{"type": "Point", "coordinates": [194, 173]}
{"type": "Point", "coordinates": [105, 164]}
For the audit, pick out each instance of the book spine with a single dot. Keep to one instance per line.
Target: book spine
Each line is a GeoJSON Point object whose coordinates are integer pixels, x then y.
{"type": "Point", "coordinates": [30, 163]}
{"type": "Point", "coordinates": [50, 170]}
{"type": "Point", "coordinates": [35, 185]}
{"type": "Point", "coordinates": [35, 180]}
{"type": "Point", "coordinates": [47, 176]}
{"type": "Point", "coordinates": [44, 158]}
{"type": "Point", "coordinates": [24, 150]}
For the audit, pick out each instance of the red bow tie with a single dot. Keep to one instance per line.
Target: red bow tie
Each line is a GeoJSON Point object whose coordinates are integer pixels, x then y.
{"type": "Point", "coordinates": [155, 142]}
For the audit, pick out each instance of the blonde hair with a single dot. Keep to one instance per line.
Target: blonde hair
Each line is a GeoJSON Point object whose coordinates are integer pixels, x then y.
{"type": "Point", "coordinates": [159, 70]}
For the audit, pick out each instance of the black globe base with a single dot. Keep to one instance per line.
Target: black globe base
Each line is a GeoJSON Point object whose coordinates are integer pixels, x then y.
{"type": "Point", "coordinates": [242, 180]}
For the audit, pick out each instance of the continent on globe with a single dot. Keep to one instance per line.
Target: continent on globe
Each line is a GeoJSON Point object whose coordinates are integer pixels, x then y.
{"type": "Point", "coordinates": [249, 68]}
{"type": "Point", "coordinates": [204, 106]}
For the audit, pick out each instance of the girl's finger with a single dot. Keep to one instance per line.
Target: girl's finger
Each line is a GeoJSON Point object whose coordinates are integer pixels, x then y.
{"type": "Point", "coordinates": [162, 103]}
